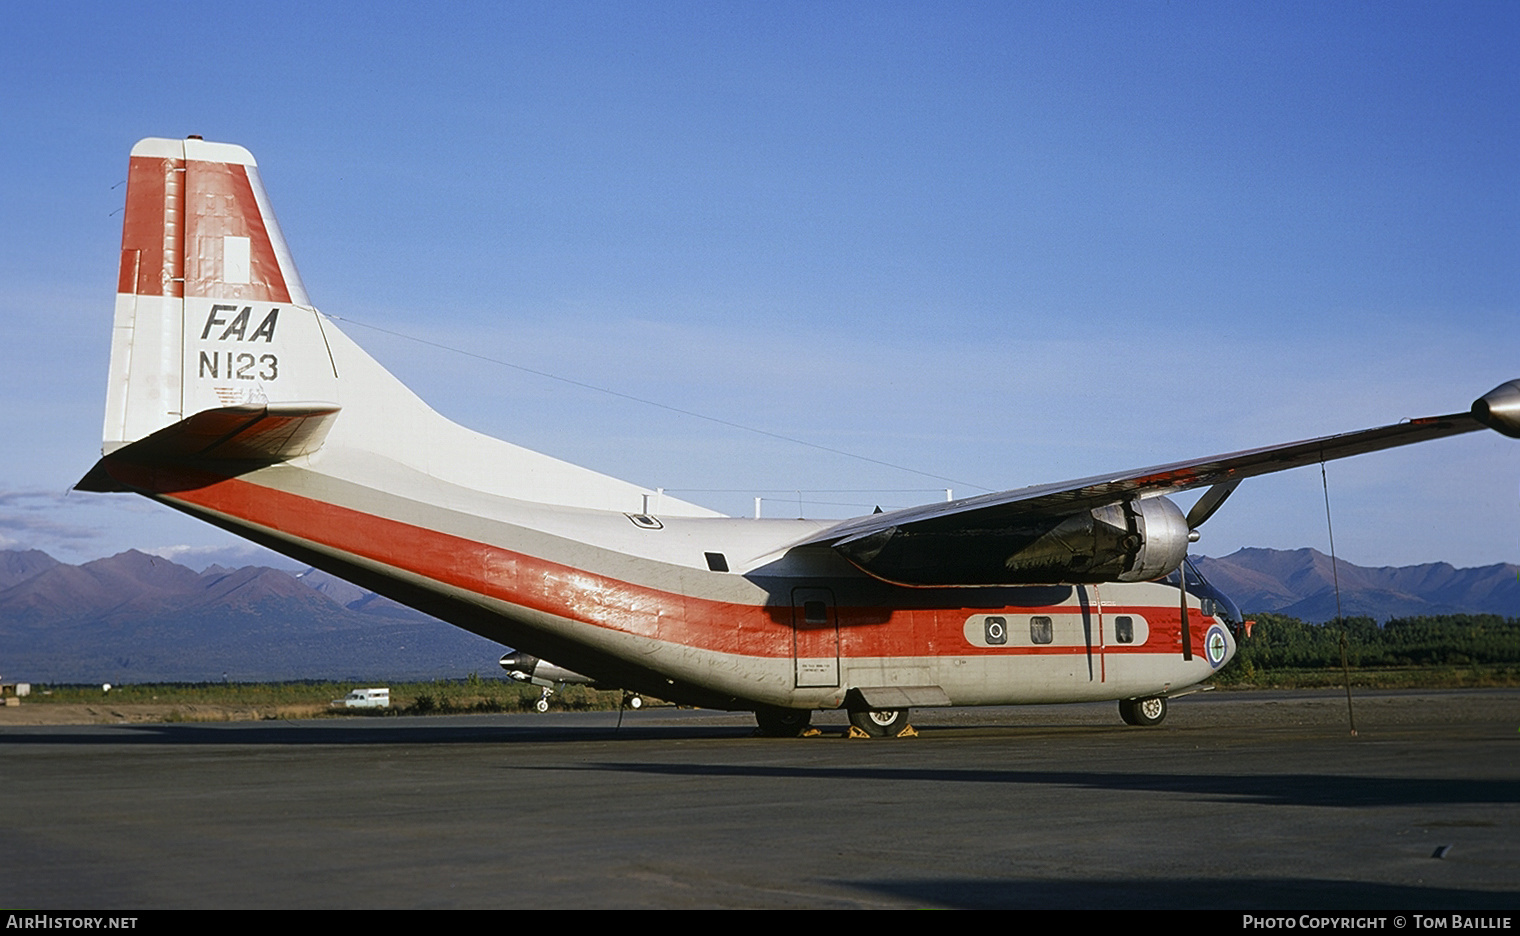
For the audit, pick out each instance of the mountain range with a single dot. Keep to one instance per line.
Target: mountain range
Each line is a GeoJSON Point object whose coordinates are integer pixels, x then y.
{"type": "Point", "coordinates": [1300, 583]}
{"type": "Point", "coordinates": [135, 617]}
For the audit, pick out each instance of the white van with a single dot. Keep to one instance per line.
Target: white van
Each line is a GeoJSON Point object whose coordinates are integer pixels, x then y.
{"type": "Point", "coordinates": [365, 698]}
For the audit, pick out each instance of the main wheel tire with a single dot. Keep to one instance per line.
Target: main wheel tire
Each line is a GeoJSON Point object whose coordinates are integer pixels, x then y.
{"type": "Point", "coordinates": [1143, 713]}
{"type": "Point", "coordinates": [783, 723]}
{"type": "Point", "coordinates": [883, 723]}
{"type": "Point", "coordinates": [541, 706]}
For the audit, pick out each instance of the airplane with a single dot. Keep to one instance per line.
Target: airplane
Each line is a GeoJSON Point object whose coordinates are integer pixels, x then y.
{"type": "Point", "coordinates": [232, 399]}
{"type": "Point", "coordinates": [527, 668]}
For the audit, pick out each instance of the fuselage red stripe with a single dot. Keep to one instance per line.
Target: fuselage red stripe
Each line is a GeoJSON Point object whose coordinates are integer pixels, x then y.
{"type": "Point", "coordinates": [581, 595]}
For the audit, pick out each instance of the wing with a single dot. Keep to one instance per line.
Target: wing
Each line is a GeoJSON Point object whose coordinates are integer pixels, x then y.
{"type": "Point", "coordinates": [1066, 497]}
{"type": "Point", "coordinates": [1096, 529]}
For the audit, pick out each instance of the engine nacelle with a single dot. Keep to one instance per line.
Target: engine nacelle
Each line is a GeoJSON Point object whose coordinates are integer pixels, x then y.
{"type": "Point", "coordinates": [1164, 538]}
{"type": "Point", "coordinates": [1132, 541]}
{"type": "Point", "coordinates": [1499, 409]}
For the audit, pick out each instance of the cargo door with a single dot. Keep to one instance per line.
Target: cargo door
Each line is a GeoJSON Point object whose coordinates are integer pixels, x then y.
{"type": "Point", "coordinates": [815, 638]}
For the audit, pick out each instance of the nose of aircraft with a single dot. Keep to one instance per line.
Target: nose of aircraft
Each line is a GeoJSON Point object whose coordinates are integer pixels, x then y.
{"type": "Point", "coordinates": [1219, 645]}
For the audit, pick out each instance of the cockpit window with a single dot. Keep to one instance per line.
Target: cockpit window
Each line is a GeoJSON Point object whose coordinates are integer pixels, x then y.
{"type": "Point", "coordinates": [1214, 602]}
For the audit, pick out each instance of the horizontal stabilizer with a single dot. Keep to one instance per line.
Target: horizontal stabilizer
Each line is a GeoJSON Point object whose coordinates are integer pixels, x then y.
{"type": "Point", "coordinates": [257, 433]}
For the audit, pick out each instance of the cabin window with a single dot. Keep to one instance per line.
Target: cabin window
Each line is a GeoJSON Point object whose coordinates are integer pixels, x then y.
{"type": "Point", "coordinates": [1124, 628]}
{"type": "Point", "coordinates": [716, 562]}
{"type": "Point", "coordinates": [645, 521]}
{"type": "Point", "coordinates": [815, 612]}
{"type": "Point", "coordinates": [1041, 630]}
{"type": "Point", "coordinates": [995, 630]}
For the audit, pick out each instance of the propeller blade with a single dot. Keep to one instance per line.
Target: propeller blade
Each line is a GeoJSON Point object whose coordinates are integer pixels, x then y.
{"type": "Point", "coordinates": [1187, 632]}
{"type": "Point", "coordinates": [1210, 502]}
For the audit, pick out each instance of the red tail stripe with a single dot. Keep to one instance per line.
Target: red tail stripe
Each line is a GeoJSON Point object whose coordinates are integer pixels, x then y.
{"type": "Point", "coordinates": [219, 201]}
{"type": "Point", "coordinates": [144, 226]}
{"type": "Point", "coordinates": [177, 215]}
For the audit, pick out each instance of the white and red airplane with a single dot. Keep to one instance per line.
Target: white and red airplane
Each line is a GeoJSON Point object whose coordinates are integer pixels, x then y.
{"type": "Point", "coordinates": [234, 400]}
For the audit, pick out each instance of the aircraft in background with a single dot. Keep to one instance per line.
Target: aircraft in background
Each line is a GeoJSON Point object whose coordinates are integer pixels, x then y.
{"type": "Point", "coordinates": [233, 399]}
{"type": "Point", "coordinates": [527, 668]}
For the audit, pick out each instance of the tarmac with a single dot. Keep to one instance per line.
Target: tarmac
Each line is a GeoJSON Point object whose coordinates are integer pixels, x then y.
{"type": "Point", "coordinates": [1246, 801]}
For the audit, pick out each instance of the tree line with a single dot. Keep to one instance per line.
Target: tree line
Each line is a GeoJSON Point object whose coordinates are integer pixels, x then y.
{"type": "Point", "coordinates": [1281, 642]}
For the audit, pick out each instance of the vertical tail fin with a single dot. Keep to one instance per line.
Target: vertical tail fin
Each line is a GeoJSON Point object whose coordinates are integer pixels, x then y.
{"type": "Point", "coordinates": [210, 311]}
{"type": "Point", "coordinates": [217, 354]}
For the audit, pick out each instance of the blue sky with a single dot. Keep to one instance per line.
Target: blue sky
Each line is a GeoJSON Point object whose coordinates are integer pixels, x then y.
{"type": "Point", "coordinates": [1004, 244]}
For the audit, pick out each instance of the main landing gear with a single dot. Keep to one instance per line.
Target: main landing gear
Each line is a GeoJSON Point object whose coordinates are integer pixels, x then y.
{"type": "Point", "coordinates": [1143, 713]}
{"type": "Point", "coordinates": [864, 723]}
{"type": "Point", "coordinates": [782, 722]}
{"type": "Point", "coordinates": [880, 723]}
{"type": "Point", "coordinates": [791, 723]}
